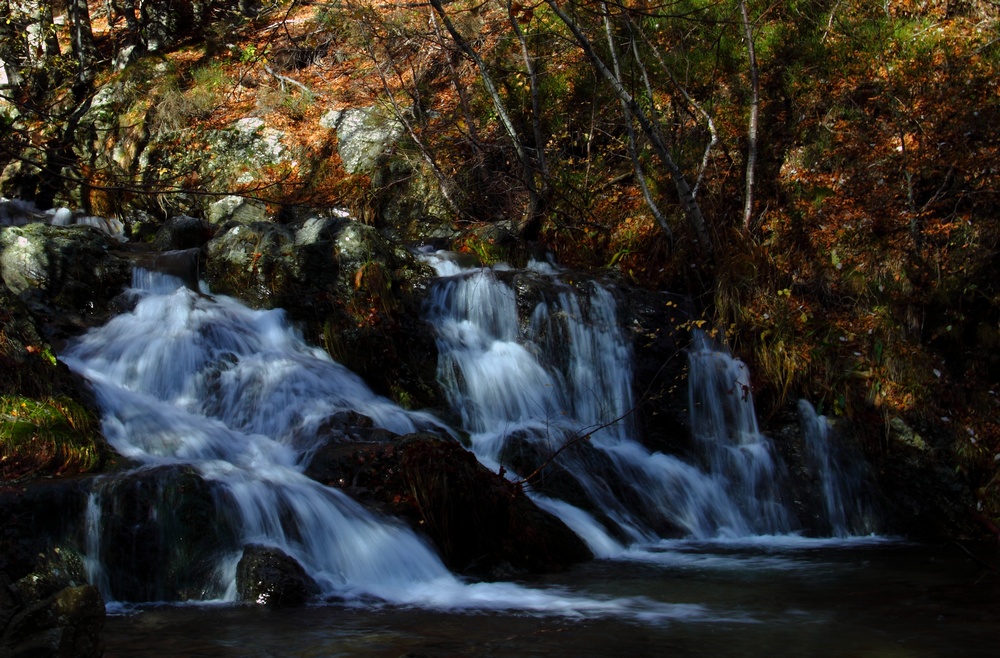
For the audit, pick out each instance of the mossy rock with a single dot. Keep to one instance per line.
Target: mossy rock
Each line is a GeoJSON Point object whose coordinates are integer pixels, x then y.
{"type": "Point", "coordinates": [69, 268]}
{"type": "Point", "coordinates": [482, 524]}
{"type": "Point", "coordinates": [53, 436]}
{"type": "Point", "coordinates": [270, 577]}
{"type": "Point", "coordinates": [48, 424]}
{"type": "Point", "coordinates": [67, 624]}
{"type": "Point", "coordinates": [346, 287]}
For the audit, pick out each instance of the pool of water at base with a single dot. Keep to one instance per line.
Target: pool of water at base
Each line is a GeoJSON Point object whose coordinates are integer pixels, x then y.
{"type": "Point", "coordinates": [881, 599]}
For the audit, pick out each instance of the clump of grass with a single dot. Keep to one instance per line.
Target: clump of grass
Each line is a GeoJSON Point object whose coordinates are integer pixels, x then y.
{"type": "Point", "coordinates": [178, 100]}
{"type": "Point", "coordinates": [53, 435]}
{"type": "Point", "coordinates": [292, 102]}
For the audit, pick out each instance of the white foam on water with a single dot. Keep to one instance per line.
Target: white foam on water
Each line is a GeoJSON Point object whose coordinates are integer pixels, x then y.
{"type": "Point", "coordinates": [189, 378]}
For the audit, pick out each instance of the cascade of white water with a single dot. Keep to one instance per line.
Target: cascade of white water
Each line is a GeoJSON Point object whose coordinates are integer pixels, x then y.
{"type": "Point", "coordinates": [567, 378]}
{"type": "Point", "coordinates": [724, 422]}
{"type": "Point", "coordinates": [187, 381]}
{"type": "Point", "coordinates": [848, 508]}
{"type": "Point", "coordinates": [92, 543]}
{"type": "Point", "coordinates": [816, 432]}
{"type": "Point", "coordinates": [186, 378]}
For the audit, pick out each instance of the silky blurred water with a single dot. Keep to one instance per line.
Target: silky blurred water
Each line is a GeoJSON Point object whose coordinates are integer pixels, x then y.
{"type": "Point", "coordinates": [188, 378]}
{"type": "Point", "coordinates": [777, 599]}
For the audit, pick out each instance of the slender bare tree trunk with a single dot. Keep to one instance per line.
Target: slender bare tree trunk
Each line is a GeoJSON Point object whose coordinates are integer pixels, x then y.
{"type": "Point", "coordinates": [709, 122]}
{"type": "Point", "coordinates": [508, 124]}
{"type": "Point", "coordinates": [748, 219]}
{"type": "Point", "coordinates": [536, 101]}
{"type": "Point", "coordinates": [82, 42]}
{"type": "Point", "coordinates": [126, 9]}
{"type": "Point", "coordinates": [456, 82]}
{"type": "Point", "coordinates": [632, 148]}
{"type": "Point", "coordinates": [692, 211]}
{"type": "Point", "coordinates": [48, 31]}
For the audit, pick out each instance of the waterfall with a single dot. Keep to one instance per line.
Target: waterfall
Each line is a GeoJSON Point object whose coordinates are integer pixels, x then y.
{"type": "Point", "coordinates": [218, 407]}
{"type": "Point", "coordinates": [559, 383]}
{"type": "Point", "coordinates": [843, 490]}
{"type": "Point", "coordinates": [724, 422]}
{"type": "Point", "coordinates": [236, 394]}
{"type": "Point", "coordinates": [92, 543]}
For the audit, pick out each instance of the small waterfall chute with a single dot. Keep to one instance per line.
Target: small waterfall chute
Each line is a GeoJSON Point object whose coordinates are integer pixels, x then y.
{"type": "Point", "coordinates": [525, 389]}
{"type": "Point", "coordinates": [724, 423]}
{"type": "Point", "coordinates": [847, 504]}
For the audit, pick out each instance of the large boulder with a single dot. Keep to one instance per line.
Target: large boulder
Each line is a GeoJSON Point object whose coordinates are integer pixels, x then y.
{"type": "Point", "coordinates": [67, 623]}
{"type": "Point", "coordinates": [925, 495]}
{"type": "Point", "coordinates": [181, 232]}
{"type": "Point", "coordinates": [409, 204]}
{"type": "Point", "coordinates": [238, 209]}
{"type": "Point", "coordinates": [656, 324]}
{"type": "Point", "coordinates": [481, 523]}
{"type": "Point", "coordinates": [348, 289]}
{"type": "Point", "coordinates": [69, 275]}
{"type": "Point", "coordinates": [46, 606]}
{"type": "Point", "coordinates": [267, 576]}
{"type": "Point", "coordinates": [41, 529]}
{"type": "Point", "coordinates": [363, 135]}
{"type": "Point", "coordinates": [162, 534]}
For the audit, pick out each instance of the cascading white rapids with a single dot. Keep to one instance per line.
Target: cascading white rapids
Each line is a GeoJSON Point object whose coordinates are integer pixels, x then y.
{"type": "Point", "coordinates": [197, 380]}
{"type": "Point", "coordinates": [568, 374]}
{"type": "Point", "coordinates": [186, 378]}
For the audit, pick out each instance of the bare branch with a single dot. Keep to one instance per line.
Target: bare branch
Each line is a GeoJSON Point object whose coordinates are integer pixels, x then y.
{"type": "Point", "coordinates": [633, 151]}
{"type": "Point", "coordinates": [690, 206]}
{"type": "Point", "coordinates": [754, 116]}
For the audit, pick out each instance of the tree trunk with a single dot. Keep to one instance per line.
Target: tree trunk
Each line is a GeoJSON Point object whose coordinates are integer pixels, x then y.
{"type": "Point", "coordinates": [84, 49]}
{"type": "Point", "coordinates": [632, 147]}
{"type": "Point", "coordinates": [692, 211]}
{"type": "Point", "coordinates": [157, 24]}
{"type": "Point", "coordinates": [534, 209]}
{"type": "Point", "coordinates": [536, 102]}
{"type": "Point", "coordinates": [48, 30]}
{"type": "Point", "coordinates": [709, 122]}
{"type": "Point", "coordinates": [126, 9]}
{"type": "Point", "coordinates": [752, 128]}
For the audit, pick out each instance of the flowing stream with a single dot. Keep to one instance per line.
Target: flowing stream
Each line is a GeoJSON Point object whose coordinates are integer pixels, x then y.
{"type": "Point", "coordinates": [201, 381]}
{"type": "Point", "coordinates": [565, 372]}
{"type": "Point", "coordinates": [188, 380]}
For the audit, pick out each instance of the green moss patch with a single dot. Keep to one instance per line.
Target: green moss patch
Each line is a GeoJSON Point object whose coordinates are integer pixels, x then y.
{"type": "Point", "coordinates": [50, 436]}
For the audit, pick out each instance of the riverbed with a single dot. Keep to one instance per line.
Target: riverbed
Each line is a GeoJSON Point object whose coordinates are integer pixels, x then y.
{"type": "Point", "coordinates": [759, 597]}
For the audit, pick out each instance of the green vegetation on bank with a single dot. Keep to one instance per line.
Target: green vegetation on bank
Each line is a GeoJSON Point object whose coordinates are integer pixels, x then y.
{"type": "Point", "coordinates": [44, 428]}
{"type": "Point", "coordinates": [54, 436]}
